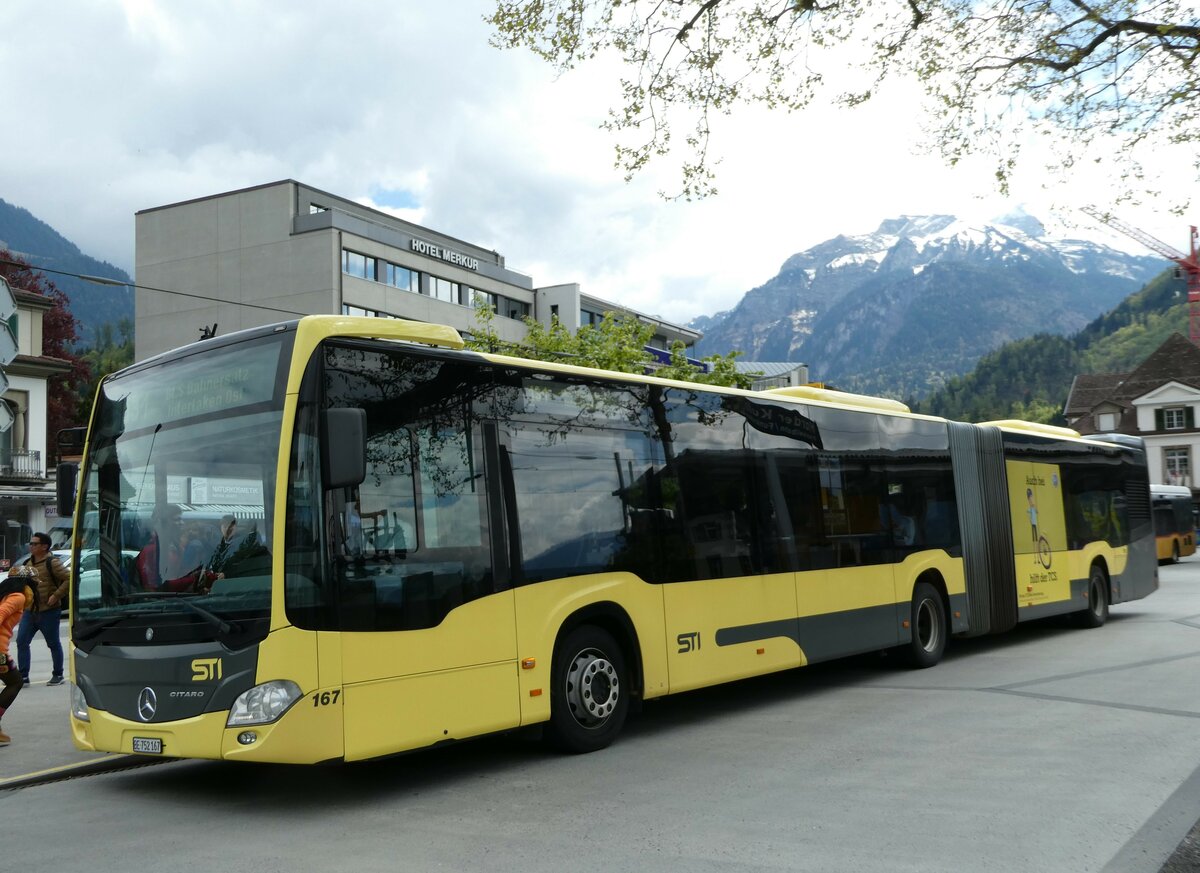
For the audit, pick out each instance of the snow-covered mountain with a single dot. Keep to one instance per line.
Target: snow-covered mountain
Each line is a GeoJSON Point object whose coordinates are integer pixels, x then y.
{"type": "Point", "coordinates": [922, 298]}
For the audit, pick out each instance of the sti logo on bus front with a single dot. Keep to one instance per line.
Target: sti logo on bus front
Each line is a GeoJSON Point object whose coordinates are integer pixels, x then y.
{"type": "Point", "coordinates": [206, 669]}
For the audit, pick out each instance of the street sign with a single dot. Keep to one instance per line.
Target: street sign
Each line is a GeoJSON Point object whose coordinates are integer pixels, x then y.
{"type": "Point", "coordinates": [7, 304]}
{"type": "Point", "coordinates": [8, 347]}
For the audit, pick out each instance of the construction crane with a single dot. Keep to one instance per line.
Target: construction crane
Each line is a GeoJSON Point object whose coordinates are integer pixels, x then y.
{"type": "Point", "coordinates": [1187, 266]}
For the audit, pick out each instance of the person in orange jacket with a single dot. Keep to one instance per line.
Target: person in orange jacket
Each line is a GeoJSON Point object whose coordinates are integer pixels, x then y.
{"type": "Point", "coordinates": [16, 596]}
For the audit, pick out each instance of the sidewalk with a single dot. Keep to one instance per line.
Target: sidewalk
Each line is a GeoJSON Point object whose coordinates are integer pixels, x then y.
{"type": "Point", "coordinates": [39, 724]}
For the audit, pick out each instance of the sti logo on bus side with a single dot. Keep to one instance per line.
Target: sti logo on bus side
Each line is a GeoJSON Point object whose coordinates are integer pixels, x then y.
{"type": "Point", "coordinates": [688, 642]}
{"type": "Point", "coordinates": [206, 669]}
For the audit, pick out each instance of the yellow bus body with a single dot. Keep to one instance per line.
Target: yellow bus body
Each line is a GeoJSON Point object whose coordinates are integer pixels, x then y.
{"type": "Point", "coordinates": [487, 667]}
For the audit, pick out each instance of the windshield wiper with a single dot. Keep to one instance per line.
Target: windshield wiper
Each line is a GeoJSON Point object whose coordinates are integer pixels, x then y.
{"type": "Point", "coordinates": [212, 618]}
{"type": "Point", "coordinates": [222, 626]}
{"type": "Point", "coordinates": [91, 630]}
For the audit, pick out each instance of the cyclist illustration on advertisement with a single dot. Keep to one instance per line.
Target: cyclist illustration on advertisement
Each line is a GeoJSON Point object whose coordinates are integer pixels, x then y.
{"type": "Point", "coordinates": [1043, 544]}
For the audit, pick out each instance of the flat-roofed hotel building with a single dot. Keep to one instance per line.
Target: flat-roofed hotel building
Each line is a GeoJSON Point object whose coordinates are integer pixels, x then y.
{"type": "Point", "coordinates": [278, 251]}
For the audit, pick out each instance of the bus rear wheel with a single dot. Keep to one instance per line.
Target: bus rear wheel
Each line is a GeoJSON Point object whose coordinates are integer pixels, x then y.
{"type": "Point", "coordinates": [1096, 612]}
{"type": "Point", "coordinates": [589, 694]}
{"type": "Point", "coordinates": [929, 628]}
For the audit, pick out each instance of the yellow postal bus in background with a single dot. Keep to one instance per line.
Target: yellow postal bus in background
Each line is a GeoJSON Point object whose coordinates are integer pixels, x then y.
{"type": "Point", "coordinates": [445, 544]}
{"type": "Point", "coordinates": [1174, 521]}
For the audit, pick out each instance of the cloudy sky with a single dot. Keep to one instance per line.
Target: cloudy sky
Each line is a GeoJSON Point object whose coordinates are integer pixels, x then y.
{"type": "Point", "coordinates": [112, 107]}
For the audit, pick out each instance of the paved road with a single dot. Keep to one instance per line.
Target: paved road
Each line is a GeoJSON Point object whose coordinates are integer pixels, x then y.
{"type": "Point", "coordinates": [1049, 749]}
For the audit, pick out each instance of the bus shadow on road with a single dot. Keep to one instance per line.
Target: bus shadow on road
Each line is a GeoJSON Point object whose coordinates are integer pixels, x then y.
{"type": "Point", "coordinates": [250, 789]}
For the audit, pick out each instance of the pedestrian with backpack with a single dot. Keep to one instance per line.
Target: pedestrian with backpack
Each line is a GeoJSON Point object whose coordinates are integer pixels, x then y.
{"type": "Point", "coordinates": [51, 583]}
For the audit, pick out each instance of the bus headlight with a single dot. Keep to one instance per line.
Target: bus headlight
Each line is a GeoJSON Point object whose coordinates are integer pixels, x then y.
{"type": "Point", "coordinates": [264, 703]}
{"type": "Point", "coordinates": [79, 704]}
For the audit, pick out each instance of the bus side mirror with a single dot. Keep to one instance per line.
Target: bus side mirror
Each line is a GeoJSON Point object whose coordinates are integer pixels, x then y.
{"type": "Point", "coordinates": [64, 487]}
{"type": "Point", "coordinates": [343, 447]}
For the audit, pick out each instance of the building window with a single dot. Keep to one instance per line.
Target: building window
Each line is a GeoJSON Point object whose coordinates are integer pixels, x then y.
{"type": "Point", "coordinates": [402, 278]}
{"type": "Point", "coordinates": [314, 208]}
{"type": "Point", "coordinates": [355, 264]}
{"type": "Point", "coordinates": [482, 298]}
{"type": "Point", "coordinates": [1173, 419]}
{"type": "Point", "coordinates": [515, 308]}
{"type": "Point", "coordinates": [443, 289]}
{"type": "Point", "coordinates": [347, 309]}
{"type": "Point", "coordinates": [1106, 421]}
{"type": "Point", "coordinates": [1177, 466]}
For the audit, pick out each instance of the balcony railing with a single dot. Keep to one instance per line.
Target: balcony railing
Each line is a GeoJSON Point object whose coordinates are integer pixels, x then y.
{"type": "Point", "coordinates": [20, 464]}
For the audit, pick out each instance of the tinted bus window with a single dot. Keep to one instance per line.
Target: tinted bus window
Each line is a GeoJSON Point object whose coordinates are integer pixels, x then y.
{"type": "Point", "coordinates": [412, 542]}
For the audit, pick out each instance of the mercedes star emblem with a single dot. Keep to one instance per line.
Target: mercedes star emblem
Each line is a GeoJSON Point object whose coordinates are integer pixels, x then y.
{"type": "Point", "coordinates": [147, 704]}
{"type": "Point", "coordinates": [149, 634]}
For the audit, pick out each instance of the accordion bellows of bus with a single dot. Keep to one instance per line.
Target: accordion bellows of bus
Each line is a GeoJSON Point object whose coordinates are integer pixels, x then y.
{"type": "Point", "coordinates": [431, 544]}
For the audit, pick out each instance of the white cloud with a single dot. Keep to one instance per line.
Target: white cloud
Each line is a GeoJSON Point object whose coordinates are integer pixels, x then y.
{"type": "Point", "coordinates": [116, 108]}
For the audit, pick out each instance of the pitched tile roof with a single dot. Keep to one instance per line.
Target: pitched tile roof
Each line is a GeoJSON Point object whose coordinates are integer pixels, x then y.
{"type": "Point", "coordinates": [1088, 389]}
{"type": "Point", "coordinates": [1176, 360]}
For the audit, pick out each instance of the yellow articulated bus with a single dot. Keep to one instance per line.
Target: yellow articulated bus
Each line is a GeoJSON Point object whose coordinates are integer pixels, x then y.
{"type": "Point", "coordinates": [342, 538]}
{"type": "Point", "coordinates": [1174, 522]}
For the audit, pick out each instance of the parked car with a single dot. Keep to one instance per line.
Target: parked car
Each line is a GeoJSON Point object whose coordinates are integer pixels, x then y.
{"type": "Point", "coordinates": [89, 573]}
{"type": "Point", "coordinates": [63, 555]}
{"type": "Point", "coordinates": [60, 534]}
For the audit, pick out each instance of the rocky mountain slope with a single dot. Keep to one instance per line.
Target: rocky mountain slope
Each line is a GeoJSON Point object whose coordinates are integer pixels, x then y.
{"type": "Point", "coordinates": [921, 299]}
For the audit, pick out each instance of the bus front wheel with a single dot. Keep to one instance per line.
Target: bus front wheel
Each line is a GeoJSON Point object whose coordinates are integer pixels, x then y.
{"type": "Point", "coordinates": [928, 641]}
{"type": "Point", "coordinates": [589, 695]}
{"type": "Point", "coordinates": [1096, 612]}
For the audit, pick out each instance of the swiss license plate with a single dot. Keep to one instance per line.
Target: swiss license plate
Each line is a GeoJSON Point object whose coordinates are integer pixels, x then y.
{"type": "Point", "coordinates": [147, 745]}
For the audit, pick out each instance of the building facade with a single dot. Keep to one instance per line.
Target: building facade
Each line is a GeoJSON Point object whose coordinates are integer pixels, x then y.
{"type": "Point", "coordinates": [283, 250]}
{"type": "Point", "coordinates": [1159, 401]}
{"type": "Point", "coordinates": [773, 374]}
{"type": "Point", "coordinates": [27, 498]}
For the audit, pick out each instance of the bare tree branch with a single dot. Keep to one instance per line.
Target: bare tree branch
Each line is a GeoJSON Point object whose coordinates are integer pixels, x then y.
{"type": "Point", "coordinates": [992, 70]}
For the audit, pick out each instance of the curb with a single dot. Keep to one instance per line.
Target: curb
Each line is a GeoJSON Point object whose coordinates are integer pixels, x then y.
{"type": "Point", "coordinates": [84, 768]}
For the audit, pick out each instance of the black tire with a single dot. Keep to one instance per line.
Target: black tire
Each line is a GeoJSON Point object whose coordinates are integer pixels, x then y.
{"type": "Point", "coordinates": [1096, 613]}
{"type": "Point", "coordinates": [929, 627]}
{"type": "Point", "coordinates": [589, 693]}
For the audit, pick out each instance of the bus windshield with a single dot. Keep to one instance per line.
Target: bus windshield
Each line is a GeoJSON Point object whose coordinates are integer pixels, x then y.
{"type": "Point", "coordinates": [176, 506]}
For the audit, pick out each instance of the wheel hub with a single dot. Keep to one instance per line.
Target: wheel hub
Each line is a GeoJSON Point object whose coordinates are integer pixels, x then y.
{"type": "Point", "coordinates": [928, 630]}
{"type": "Point", "coordinates": [593, 688]}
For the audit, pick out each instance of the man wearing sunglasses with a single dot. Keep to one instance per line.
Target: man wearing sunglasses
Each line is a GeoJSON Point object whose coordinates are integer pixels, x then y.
{"type": "Point", "coordinates": [51, 579]}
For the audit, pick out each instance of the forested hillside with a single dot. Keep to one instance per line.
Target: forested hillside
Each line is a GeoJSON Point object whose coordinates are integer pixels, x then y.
{"type": "Point", "coordinates": [39, 244]}
{"type": "Point", "coordinates": [1030, 378]}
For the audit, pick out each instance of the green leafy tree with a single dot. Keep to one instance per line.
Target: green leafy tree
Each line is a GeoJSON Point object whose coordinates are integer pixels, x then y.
{"type": "Point", "coordinates": [722, 369]}
{"type": "Point", "coordinates": [1101, 77]}
{"type": "Point", "coordinates": [615, 343]}
{"type": "Point", "coordinates": [111, 350]}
